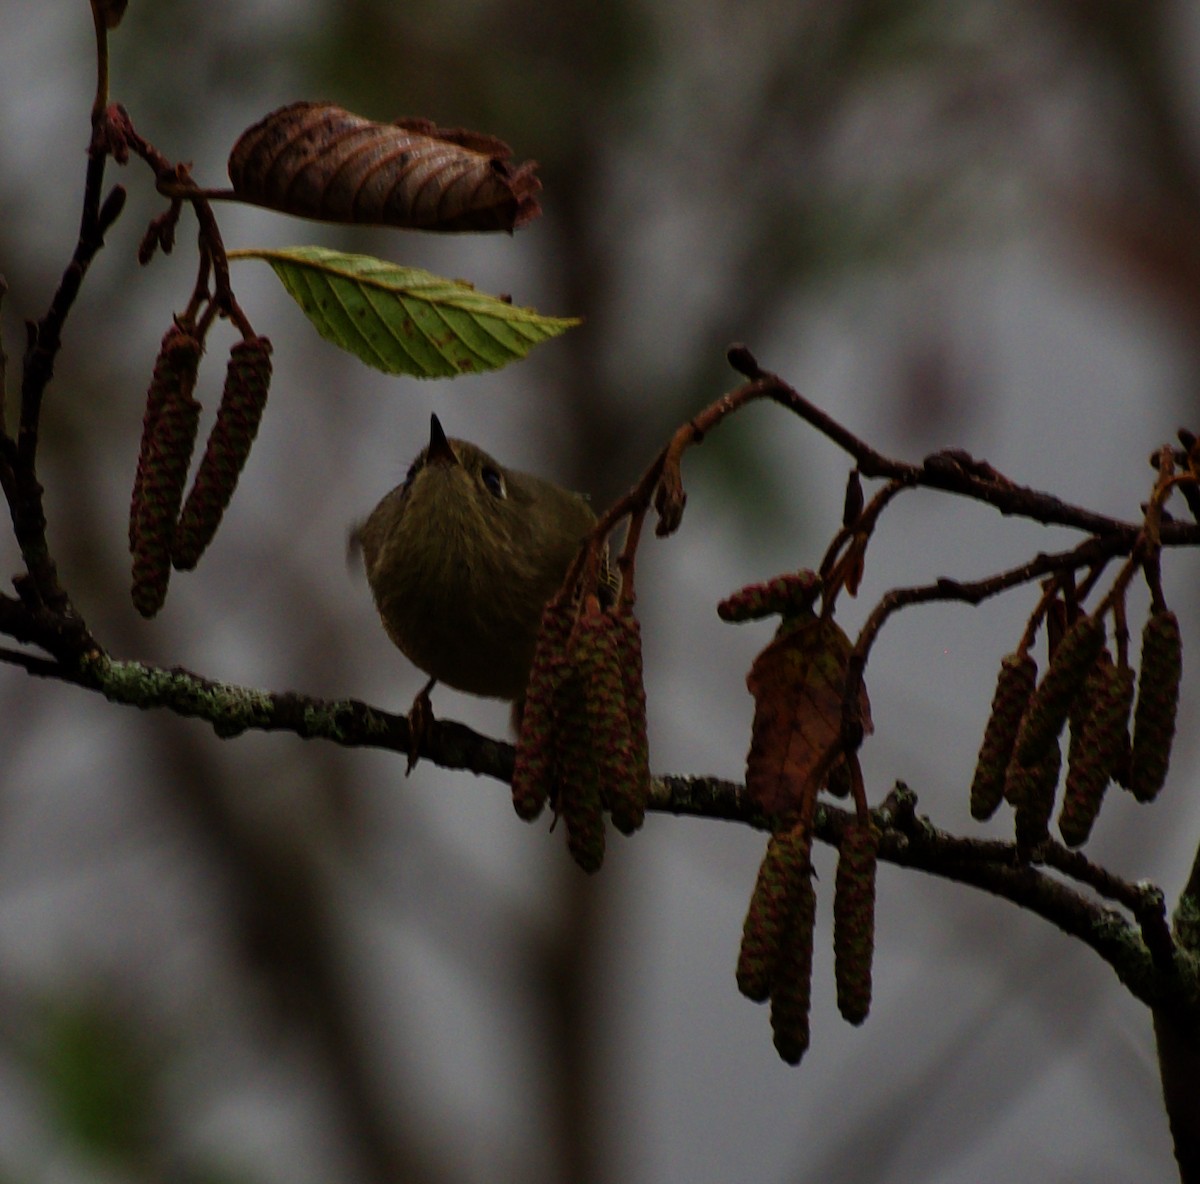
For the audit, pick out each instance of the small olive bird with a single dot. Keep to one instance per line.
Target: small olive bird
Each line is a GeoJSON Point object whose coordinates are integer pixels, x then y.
{"type": "Point", "coordinates": [461, 559]}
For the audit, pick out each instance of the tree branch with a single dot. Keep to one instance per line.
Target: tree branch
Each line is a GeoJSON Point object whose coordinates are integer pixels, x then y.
{"type": "Point", "coordinates": [232, 709]}
{"type": "Point", "coordinates": [1177, 1038]}
{"type": "Point", "coordinates": [1141, 953]}
{"type": "Point", "coordinates": [952, 470]}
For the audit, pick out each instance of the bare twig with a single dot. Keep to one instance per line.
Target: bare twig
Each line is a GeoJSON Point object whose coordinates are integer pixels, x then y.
{"type": "Point", "coordinates": [19, 467]}
{"type": "Point", "coordinates": [101, 99]}
{"type": "Point", "coordinates": [45, 338]}
{"type": "Point", "coordinates": [951, 471]}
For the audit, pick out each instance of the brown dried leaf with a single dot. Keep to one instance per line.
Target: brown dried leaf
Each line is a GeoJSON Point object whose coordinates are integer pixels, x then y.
{"type": "Point", "coordinates": [317, 160]}
{"type": "Point", "coordinates": [798, 683]}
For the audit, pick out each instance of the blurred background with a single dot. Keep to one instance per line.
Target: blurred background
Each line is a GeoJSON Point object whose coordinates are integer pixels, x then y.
{"type": "Point", "coordinates": [971, 223]}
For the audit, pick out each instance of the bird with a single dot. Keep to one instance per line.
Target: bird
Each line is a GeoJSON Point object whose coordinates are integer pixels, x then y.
{"type": "Point", "coordinates": [462, 557]}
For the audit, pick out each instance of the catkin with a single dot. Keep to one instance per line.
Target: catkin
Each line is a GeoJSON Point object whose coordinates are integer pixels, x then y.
{"type": "Point", "coordinates": [784, 594]}
{"type": "Point", "coordinates": [854, 920]}
{"type": "Point", "coordinates": [247, 379]}
{"type": "Point", "coordinates": [784, 864]}
{"type": "Point", "coordinates": [168, 437]}
{"type": "Point", "coordinates": [576, 776]}
{"type": "Point", "coordinates": [1030, 788]}
{"type": "Point", "coordinates": [1098, 731]}
{"type": "Point", "coordinates": [631, 790]}
{"type": "Point", "coordinates": [791, 988]}
{"type": "Point", "coordinates": [605, 721]}
{"type": "Point", "coordinates": [1157, 701]}
{"type": "Point", "coordinates": [1014, 685]}
{"type": "Point", "coordinates": [175, 370]}
{"type": "Point", "coordinates": [534, 766]}
{"type": "Point", "coordinates": [1047, 711]}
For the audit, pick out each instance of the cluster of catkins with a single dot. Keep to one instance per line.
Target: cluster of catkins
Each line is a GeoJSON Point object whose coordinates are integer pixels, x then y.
{"type": "Point", "coordinates": [1020, 759]}
{"type": "Point", "coordinates": [797, 682]}
{"type": "Point", "coordinates": [161, 534]}
{"type": "Point", "coordinates": [775, 961]}
{"type": "Point", "coordinates": [582, 741]}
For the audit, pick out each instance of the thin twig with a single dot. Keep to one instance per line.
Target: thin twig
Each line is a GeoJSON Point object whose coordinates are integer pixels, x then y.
{"type": "Point", "coordinates": [20, 481]}
{"type": "Point", "coordinates": [46, 336]}
{"type": "Point", "coordinates": [973, 592]}
{"type": "Point", "coordinates": [951, 471]}
{"type": "Point", "coordinates": [100, 102]}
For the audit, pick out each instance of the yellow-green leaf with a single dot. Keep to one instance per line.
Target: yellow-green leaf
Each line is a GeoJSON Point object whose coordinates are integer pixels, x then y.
{"type": "Point", "coordinates": [403, 320]}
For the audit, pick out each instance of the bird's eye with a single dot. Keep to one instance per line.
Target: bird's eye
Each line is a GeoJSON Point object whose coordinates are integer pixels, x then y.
{"type": "Point", "coordinates": [493, 481]}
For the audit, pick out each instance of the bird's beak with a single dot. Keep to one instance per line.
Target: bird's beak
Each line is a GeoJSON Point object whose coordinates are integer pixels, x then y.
{"type": "Point", "coordinates": [439, 451]}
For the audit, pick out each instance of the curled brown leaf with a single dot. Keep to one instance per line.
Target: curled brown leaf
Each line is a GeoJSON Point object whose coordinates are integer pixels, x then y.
{"type": "Point", "coordinates": [799, 684]}
{"type": "Point", "coordinates": [317, 160]}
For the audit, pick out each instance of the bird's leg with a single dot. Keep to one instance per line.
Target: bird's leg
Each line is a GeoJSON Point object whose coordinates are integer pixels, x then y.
{"type": "Point", "coordinates": [420, 719]}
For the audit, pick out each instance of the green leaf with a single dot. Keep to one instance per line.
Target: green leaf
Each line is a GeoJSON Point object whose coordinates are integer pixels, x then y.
{"type": "Point", "coordinates": [403, 320]}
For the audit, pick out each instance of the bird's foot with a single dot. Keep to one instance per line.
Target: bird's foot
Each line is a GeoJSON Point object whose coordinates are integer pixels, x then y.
{"type": "Point", "coordinates": [420, 720]}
